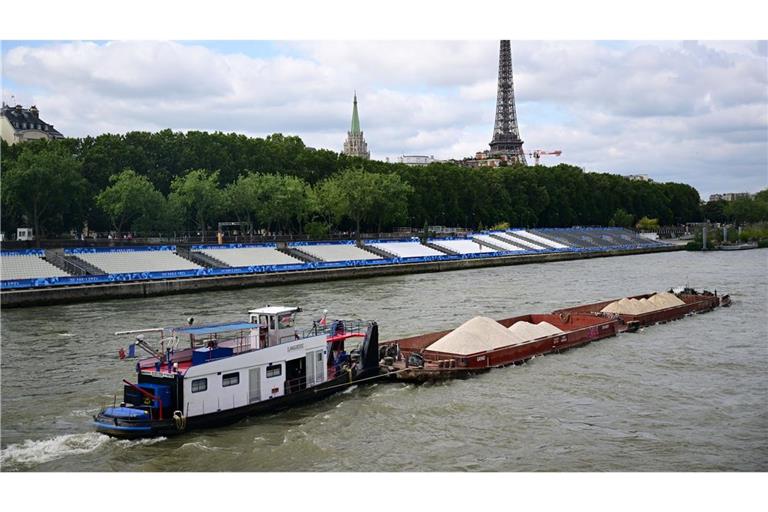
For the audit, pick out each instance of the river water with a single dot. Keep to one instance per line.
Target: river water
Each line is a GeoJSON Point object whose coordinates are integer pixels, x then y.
{"type": "Point", "coordinates": [685, 396]}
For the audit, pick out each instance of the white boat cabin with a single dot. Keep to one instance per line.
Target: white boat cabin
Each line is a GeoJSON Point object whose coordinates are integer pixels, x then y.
{"type": "Point", "coordinates": [232, 365]}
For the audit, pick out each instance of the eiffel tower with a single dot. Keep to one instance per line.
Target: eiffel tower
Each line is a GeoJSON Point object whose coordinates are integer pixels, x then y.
{"type": "Point", "coordinates": [506, 135]}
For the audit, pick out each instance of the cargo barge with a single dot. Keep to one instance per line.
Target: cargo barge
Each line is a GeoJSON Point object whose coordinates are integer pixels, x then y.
{"type": "Point", "coordinates": [693, 303]}
{"type": "Point", "coordinates": [412, 360]}
{"type": "Point", "coordinates": [415, 359]}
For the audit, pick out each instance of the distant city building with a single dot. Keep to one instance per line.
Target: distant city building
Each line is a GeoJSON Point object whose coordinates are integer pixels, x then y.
{"type": "Point", "coordinates": [730, 196]}
{"type": "Point", "coordinates": [355, 144]}
{"type": "Point", "coordinates": [416, 160]}
{"type": "Point", "coordinates": [488, 159]}
{"type": "Point", "coordinates": [18, 124]}
{"type": "Point", "coordinates": [638, 177]}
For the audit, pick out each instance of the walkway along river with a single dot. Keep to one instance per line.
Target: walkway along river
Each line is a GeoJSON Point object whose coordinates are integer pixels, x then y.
{"type": "Point", "coordinates": [684, 396]}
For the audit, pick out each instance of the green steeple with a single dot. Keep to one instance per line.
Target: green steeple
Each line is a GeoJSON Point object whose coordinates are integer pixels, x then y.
{"type": "Point", "coordinates": [355, 119]}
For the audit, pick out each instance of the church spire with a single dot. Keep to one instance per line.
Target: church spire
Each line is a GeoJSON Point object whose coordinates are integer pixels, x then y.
{"type": "Point", "coordinates": [355, 119]}
{"type": "Point", "coordinates": [355, 144]}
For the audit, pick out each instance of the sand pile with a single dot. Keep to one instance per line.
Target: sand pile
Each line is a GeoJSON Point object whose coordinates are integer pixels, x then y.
{"type": "Point", "coordinates": [477, 335]}
{"type": "Point", "coordinates": [656, 302]}
{"type": "Point", "coordinates": [527, 331]}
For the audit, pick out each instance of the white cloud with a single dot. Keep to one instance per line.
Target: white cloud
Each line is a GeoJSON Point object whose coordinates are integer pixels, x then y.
{"type": "Point", "coordinates": [688, 111]}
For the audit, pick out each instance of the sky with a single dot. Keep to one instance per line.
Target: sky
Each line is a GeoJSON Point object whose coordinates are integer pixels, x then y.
{"type": "Point", "coordinates": [677, 110]}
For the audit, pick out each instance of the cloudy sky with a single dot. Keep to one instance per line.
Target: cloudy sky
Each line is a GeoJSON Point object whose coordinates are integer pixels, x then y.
{"type": "Point", "coordinates": [688, 111]}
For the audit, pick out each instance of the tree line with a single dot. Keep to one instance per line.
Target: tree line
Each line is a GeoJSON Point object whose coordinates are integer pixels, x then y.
{"type": "Point", "coordinates": [169, 182]}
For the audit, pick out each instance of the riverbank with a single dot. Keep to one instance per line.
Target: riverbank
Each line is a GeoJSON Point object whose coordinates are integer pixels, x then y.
{"type": "Point", "coordinates": [134, 289]}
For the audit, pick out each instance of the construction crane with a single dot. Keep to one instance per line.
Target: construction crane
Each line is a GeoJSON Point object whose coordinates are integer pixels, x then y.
{"type": "Point", "coordinates": [538, 152]}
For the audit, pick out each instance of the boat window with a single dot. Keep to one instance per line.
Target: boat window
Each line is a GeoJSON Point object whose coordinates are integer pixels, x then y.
{"type": "Point", "coordinates": [199, 385]}
{"type": "Point", "coordinates": [230, 379]}
{"type": "Point", "coordinates": [272, 322]}
{"type": "Point", "coordinates": [274, 370]}
{"type": "Point", "coordinates": [285, 321]}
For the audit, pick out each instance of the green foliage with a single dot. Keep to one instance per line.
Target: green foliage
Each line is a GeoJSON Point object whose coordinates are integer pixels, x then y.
{"type": "Point", "coordinates": [741, 211]}
{"type": "Point", "coordinates": [714, 211]}
{"type": "Point", "coordinates": [647, 224]}
{"type": "Point", "coordinates": [622, 218]}
{"type": "Point", "coordinates": [197, 197]}
{"type": "Point", "coordinates": [693, 246]}
{"type": "Point", "coordinates": [762, 196]}
{"type": "Point", "coordinates": [44, 187]}
{"type": "Point", "coordinates": [364, 196]}
{"type": "Point", "coordinates": [278, 183]}
{"type": "Point", "coordinates": [501, 226]}
{"type": "Point", "coordinates": [131, 201]}
{"type": "Point", "coordinates": [316, 230]}
{"type": "Point", "coordinates": [757, 231]}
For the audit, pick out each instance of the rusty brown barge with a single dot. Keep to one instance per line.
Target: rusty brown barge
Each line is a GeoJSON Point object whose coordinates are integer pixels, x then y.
{"type": "Point", "coordinates": [417, 358]}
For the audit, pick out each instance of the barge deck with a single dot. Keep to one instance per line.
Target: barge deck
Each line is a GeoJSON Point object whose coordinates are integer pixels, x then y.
{"type": "Point", "coordinates": [411, 359]}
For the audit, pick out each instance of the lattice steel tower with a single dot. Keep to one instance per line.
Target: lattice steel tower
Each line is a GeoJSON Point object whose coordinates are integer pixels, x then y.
{"type": "Point", "coordinates": [506, 135]}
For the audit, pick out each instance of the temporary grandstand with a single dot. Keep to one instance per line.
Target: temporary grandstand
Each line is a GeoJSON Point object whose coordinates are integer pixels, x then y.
{"type": "Point", "coordinates": [492, 242]}
{"type": "Point", "coordinates": [29, 268]}
{"type": "Point", "coordinates": [27, 265]}
{"type": "Point", "coordinates": [462, 246]}
{"type": "Point", "coordinates": [406, 249]}
{"type": "Point", "coordinates": [134, 260]}
{"type": "Point", "coordinates": [336, 252]}
{"type": "Point", "coordinates": [595, 237]}
{"type": "Point", "coordinates": [239, 256]}
{"type": "Point", "coordinates": [517, 240]}
{"type": "Point", "coordinates": [537, 239]}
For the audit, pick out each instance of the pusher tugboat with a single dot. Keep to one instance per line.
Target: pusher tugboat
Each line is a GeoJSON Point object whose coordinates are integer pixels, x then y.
{"type": "Point", "coordinates": [210, 375]}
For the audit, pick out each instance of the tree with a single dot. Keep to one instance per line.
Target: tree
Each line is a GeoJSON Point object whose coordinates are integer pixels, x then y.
{"type": "Point", "coordinates": [44, 185]}
{"type": "Point", "coordinates": [243, 198]}
{"type": "Point", "coordinates": [325, 202]}
{"type": "Point", "coordinates": [622, 219]}
{"type": "Point", "coordinates": [390, 200]}
{"type": "Point", "coordinates": [287, 201]}
{"type": "Point", "coordinates": [741, 211]}
{"type": "Point", "coordinates": [646, 224]}
{"type": "Point", "coordinates": [364, 196]}
{"type": "Point", "coordinates": [197, 195]}
{"type": "Point", "coordinates": [714, 211]}
{"type": "Point", "coordinates": [131, 201]}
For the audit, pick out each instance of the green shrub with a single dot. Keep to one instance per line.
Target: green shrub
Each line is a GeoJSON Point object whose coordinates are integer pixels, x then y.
{"type": "Point", "coordinates": [693, 246]}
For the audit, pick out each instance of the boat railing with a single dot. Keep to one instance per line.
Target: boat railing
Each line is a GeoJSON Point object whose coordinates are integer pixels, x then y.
{"type": "Point", "coordinates": [297, 384]}
{"type": "Point", "coordinates": [336, 327]}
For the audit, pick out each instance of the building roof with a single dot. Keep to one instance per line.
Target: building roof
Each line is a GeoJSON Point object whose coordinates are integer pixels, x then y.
{"type": "Point", "coordinates": [27, 119]}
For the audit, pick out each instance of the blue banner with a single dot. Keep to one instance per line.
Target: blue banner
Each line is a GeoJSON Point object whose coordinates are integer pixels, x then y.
{"type": "Point", "coordinates": [207, 247]}
{"type": "Point", "coordinates": [23, 252]}
{"type": "Point", "coordinates": [335, 242]}
{"type": "Point", "coordinates": [140, 248]}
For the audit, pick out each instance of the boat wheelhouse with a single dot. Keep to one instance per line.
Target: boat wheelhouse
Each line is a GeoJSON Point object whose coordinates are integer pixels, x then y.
{"type": "Point", "coordinates": [206, 375]}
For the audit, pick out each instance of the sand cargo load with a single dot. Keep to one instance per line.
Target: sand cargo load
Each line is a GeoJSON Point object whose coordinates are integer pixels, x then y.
{"type": "Point", "coordinates": [482, 343]}
{"type": "Point", "coordinates": [651, 308]}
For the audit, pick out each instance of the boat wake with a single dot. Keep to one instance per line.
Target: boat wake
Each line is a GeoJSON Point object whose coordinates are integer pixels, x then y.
{"type": "Point", "coordinates": [31, 453]}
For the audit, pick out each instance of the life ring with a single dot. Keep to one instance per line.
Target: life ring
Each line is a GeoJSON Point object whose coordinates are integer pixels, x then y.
{"type": "Point", "coordinates": [179, 420]}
